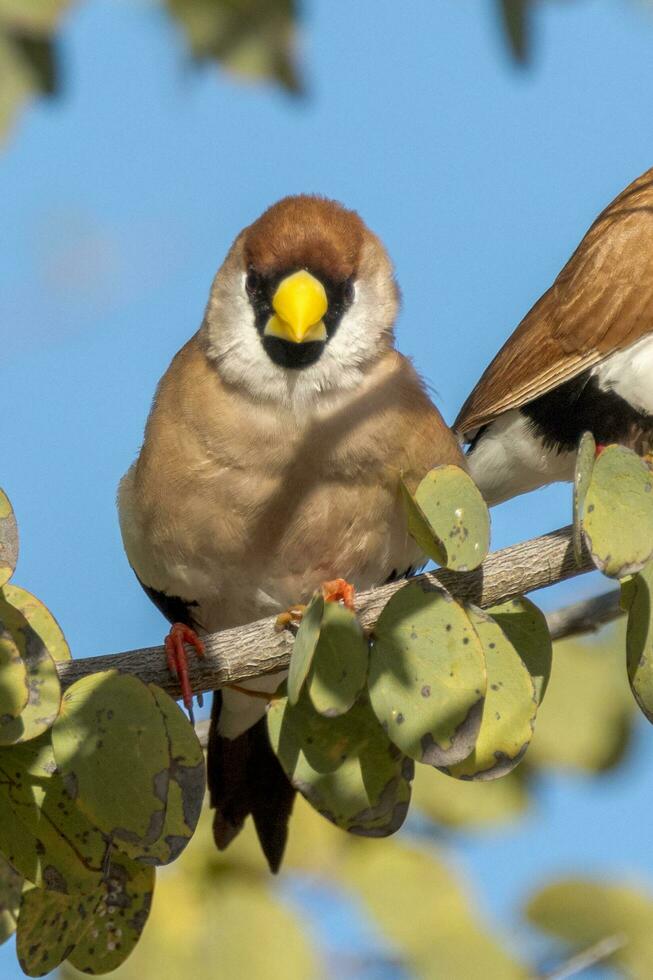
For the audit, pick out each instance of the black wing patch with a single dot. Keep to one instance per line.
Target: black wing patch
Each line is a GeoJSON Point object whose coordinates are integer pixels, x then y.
{"type": "Point", "coordinates": [174, 609]}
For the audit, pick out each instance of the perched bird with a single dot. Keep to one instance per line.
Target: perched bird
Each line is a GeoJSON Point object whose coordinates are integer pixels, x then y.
{"type": "Point", "coordinates": [271, 463]}
{"type": "Point", "coordinates": [580, 360]}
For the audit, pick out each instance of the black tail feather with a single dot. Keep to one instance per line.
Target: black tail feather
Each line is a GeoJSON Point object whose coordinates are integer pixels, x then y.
{"type": "Point", "coordinates": [244, 777]}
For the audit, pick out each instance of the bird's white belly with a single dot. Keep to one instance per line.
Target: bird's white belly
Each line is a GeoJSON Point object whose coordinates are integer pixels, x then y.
{"type": "Point", "coordinates": [629, 373]}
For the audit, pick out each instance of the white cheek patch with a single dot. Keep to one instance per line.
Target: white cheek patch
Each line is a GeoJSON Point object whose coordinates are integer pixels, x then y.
{"type": "Point", "coordinates": [236, 347]}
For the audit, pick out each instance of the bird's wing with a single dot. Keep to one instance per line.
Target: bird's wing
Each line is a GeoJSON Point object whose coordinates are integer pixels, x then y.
{"type": "Point", "coordinates": [601, 302]}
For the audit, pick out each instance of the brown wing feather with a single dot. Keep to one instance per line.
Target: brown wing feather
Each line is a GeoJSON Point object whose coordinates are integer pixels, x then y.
{"type": "Point", "coordinates": [601, 302]}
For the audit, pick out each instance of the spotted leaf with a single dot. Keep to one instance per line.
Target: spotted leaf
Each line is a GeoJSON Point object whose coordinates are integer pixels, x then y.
{"type": "Point", "coordinates": [304, 647]}
{"type": "Point", "coordinates": [339, 665]}
{"type": "Point", "coordinates": [8, 539]}
{"type": "Point", "coordinates": [584, 465]}
{"type": "Point", "coordinates": [11, 886]}
{"type": "Point", "coordinates": [17, 620]}
{"type": "Point", "coordinates": [345, 767]}
{"type": "Point", "coordinates": [111, 746]}
{"type": "Point", "coordinates": [427, 675]}
{"type": "Point", "coordinates": [617, 513]}
{"type": "Point", "coordinates": [525, 627]}
{"type": "Point", "coordinates": [448, 518]}
{"type": "Point", "coordinates": [509, 710]}
{"type": "Point", "coordinates": [637, 596]}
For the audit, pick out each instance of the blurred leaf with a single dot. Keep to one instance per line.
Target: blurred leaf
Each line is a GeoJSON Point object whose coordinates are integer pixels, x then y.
{"type": "Point", "coordinates": [509, 710]}
{"type": "Point", "coordinates": [586, 719]}
{"type": "Point", "coordinates": [618, 512]}
{"type": "Point", "coordinates": [345, 766]}
{"type": "Point", "coordinates": [448, 518]}
{"type": "Point", "coordinates": [469, 804]}
{"type": "Point", "coordinates": [514, 16]}
{"type": "Point", "coordinates": [585, 460]}
{"type": "Point", "coordinates": [636, 595]}
{"type": "Point", "coordinates": [8, 539]}
{"type": "Point", "coordinates": [23, 618]}
{"type": "Point", "coordinates": [427, 675]}
{"type": "Point", "coordinates": [339, 667]}
{"type": "Point", "coordinates": [11, 886]}
{"type": "Point", "coordinates": [253, 38]}
{"type": "Point", "coordinates": [525, 626]}
{"type": "Point", "coordinates": [32, 16]}
{"type": "Point", "coordinates": [27, 57]}
{"type": "Point", "coordinates": [420, 906]}
{"type": "Point", "coordinates": [304, 647]}
{"type": "Point", "coordinates": [584, 912]}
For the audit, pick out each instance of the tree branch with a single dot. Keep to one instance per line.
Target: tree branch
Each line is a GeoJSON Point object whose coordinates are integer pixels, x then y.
{"type": "Point", "coordinates": [586, 616]}
{"type": "Point", "coordinates": [240, 654]}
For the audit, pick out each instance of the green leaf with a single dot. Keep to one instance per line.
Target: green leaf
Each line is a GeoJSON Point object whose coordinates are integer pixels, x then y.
{"type": "Point", "coordinates": [449, 518]}
{"type": "Point", "coordinates": [339, 666]}
{"type": "Point", "coordinates": [509, 710]}
{"type": "Point", "coordinates": [514, 15]}
{"type": "Point", "coordinates": [345, 767]}
{"type": "Point", "coordinates": [41, 831]}
{"type": "Point", "coordinates": [423, 910]}
{"type": "Point", "coordinates": [32, 16]}
{"type": "Point", "coordinates": [187, 781]}
{"type": "Point", "coordinates": [469, 804]}
{"type": "Point", "coordinates": [638, 594]}
{"type": "Point", "coordinates": [19, 619]}
{"type": "Point", "coordinates": [586, 720]}
{"type": "Point", "coordinates": [111, 746]}
{"type": "Point", "coordinates": [40, 620]}
{"type": "Point", "coordinates": [583, 912]}
{"type": "Point", "coordinates": [525, 627]}
{"type": "Point", "coordinates": [14, 689]}
{"type": "Point", "coordinates": [304, 647]}
{"type": "Point", "coordinates": [618, 512]}
{"type": "Point", "coordinates": [11, 886]}
{"type": "Point", "coordinates": [119, 918]}
{"type": "Point", "coordinates": [96, 931]}
{"type": "Point", "coordinates": [427, 675]}
{"type": "Point", "coordinates": [252, 38]}
{"type": "Point", "coordinates": [49, 925]}
{"type": "Point", "coordinates": [8, 540]}
{"type": "Point", "coordinates": [584, 465]}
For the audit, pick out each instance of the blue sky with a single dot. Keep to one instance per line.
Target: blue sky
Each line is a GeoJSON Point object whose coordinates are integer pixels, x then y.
{"type": "Point", "coordinates": [120, 199]}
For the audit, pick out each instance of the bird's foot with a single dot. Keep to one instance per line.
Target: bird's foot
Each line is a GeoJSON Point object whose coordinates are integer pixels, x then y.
{"type": "Point", "coordinates": [337, 590]}
{"type": "Point", "coordinates": [177, 660]}
{"type": "Point", "coordinates": [292, 615]}
{"type": "Point", "coordinates": [600, 446]}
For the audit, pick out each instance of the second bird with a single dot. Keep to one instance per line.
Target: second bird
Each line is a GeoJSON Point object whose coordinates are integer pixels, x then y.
{"type": "Point", "coordinates": [580, 360]}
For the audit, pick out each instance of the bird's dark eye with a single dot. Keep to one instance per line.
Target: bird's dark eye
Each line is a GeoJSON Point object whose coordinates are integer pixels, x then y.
{"type": "Point", "coordinates": [253, 281]}
{"type": "Point", "coordinates": [348, 292]}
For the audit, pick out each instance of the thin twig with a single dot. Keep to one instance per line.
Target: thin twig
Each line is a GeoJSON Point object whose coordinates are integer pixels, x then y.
{"type": "Point", "coordinates": [240, 654]}
{"type": "Point", "coordinates": [586, 616]}
{"type": "Point", "coordinates": [596, 953]}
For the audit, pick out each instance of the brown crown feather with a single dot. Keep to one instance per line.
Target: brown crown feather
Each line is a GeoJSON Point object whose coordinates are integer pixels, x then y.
{"type": "Point", "coordinates": [306, 231]}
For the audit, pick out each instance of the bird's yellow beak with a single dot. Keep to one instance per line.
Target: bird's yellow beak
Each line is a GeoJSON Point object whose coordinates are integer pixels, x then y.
{"type": "Point", "coordinates": [299, 304]}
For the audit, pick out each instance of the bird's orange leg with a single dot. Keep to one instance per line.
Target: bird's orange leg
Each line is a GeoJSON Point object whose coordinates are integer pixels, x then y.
{"type": "Point", "coordinates": [177, 660]}
{"type": "Point", "coordinates": [336, 590]}
{"type": "Point", "coordinates": [339, 589]}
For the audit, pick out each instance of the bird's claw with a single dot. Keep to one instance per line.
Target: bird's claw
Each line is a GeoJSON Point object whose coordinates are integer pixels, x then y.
{"type": "Point", "coordinates": [177, 660]}
{"type": "Point", "coordinates": [336, 590]}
